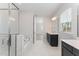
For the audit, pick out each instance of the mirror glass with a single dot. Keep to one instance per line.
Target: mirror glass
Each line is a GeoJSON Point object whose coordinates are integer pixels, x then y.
{"type": "Point", "coordinates": [65, 20]}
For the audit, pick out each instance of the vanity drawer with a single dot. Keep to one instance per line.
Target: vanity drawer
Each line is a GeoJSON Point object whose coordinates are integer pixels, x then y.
{"type": "Point", "coordinates": [75, 52]}
{"type": "Point", "coordinates": [66, 52]}
{"type": "Point", "coordinates": [68, 47]}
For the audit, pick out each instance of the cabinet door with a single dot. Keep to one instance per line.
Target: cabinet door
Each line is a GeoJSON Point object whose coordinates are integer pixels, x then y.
{"type": "Point", "coordinates": [65, 52]}
{"type": "Point", "coordinates": [67, 46]}
{"type": "Point", "coordinates": [54, 40]}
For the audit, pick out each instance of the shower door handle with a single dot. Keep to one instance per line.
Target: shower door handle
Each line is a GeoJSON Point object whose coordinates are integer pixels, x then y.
{"type": "Point", "coordinates": [2, 41]}
{"type": "Point", "coordinates": [9, 41]}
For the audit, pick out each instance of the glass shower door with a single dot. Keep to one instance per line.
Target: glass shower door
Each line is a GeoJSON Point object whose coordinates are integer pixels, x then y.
{"type": "Point", "coordinates": [8, 29]}
{"type": "Point", "coordinates": [4, 29]}
{"type": "Point", "coordinates": [13, 19]}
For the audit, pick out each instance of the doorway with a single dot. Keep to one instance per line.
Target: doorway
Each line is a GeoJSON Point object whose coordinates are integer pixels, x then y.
{"type": "Point", "coordinates": [39, 28]}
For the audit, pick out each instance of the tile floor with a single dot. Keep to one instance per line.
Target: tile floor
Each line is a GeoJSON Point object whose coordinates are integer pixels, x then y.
{"type": "Point", "coordinates": [42, 48]}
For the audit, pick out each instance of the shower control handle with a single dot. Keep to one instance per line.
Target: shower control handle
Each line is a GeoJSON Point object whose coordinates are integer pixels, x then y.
{"type": "Point", "coordinates": [2, 41]}
{"type": "Point", "coordinates": [9, 41]}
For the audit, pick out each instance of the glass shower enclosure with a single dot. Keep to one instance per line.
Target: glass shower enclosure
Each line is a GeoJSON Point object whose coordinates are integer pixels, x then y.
{"type": "Point", "coordinates": [9, 20]}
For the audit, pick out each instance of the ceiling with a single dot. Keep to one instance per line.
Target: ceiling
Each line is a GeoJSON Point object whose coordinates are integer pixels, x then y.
{"type": "Point", "coordinates": [40, 9]}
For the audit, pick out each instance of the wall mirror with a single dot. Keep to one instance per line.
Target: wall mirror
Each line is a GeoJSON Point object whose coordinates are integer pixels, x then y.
{"type": "Point", "coordinates": [65, 20]}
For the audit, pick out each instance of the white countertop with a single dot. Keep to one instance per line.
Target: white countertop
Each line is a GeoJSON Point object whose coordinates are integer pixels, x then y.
{"type": "Point", "coordinates": [52, 33]}
{"type": "Point", "coordinates": [74, 43]}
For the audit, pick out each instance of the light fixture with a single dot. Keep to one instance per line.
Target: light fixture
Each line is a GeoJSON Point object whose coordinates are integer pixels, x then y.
{"type": "Point", "coordinates": [54, 18]}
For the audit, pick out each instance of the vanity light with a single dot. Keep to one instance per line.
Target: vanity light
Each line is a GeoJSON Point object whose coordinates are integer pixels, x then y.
{"type": "Point", "coordinates": [54, 18]}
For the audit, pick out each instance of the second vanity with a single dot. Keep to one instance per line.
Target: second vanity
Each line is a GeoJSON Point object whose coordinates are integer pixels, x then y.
{"type": "Point", "coordinates": [70, 47]}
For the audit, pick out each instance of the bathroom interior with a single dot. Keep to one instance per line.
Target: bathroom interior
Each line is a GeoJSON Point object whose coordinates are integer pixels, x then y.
{"type": "Point", "coordinates": [39, 29]}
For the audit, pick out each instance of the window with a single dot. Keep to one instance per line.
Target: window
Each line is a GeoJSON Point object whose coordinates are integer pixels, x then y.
{"type": "Point", "coordinates": [65, 20]}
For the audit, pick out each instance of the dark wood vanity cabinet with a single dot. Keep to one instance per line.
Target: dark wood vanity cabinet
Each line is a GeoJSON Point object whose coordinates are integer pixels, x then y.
{"type": "Point", "coordinates": [68, 50]}
{"type": "Point", "coordinates": [52, 39]}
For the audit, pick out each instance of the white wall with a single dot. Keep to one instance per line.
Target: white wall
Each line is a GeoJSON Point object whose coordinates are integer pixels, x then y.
{"type": "Point", "coordinates": [26, 29]}
{"type": "Point", "coordinates": [26, 24]}
{"type": "Point", "coordinates": [48, 25]}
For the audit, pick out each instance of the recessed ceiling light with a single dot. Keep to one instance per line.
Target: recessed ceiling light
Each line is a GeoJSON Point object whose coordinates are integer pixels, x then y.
{"type": "Point", "coordinates": [54, 18]}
